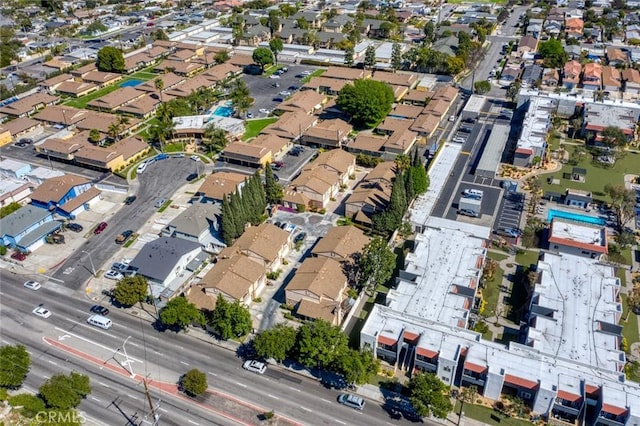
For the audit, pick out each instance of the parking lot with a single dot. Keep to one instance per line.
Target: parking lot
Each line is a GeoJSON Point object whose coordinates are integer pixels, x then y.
{"type": "Point", "coordinates": [263, 89]}
{"type": "Point", "coordinates": [510, 210]}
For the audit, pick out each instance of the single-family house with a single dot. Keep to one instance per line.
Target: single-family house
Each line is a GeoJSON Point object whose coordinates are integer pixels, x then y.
{"type": "Point", "coordinates": [592, 76]}
{"type": "Point", "coordinates": [631, 78]}
{"type": "Point", "coordinates": [574, 27]}
{"type": "Point", "coordinates": [616, 56]}
{"type": "Point", "coordinates": [165, 260]}
{"type": "Point", "coordinates": [550, 78]}
{"type": "Point", "coordinates": [531, 74]}
{"type": "Point", "coordinates": [219, 185]}
{"type": "Point", "coordinates": [265, 244]}
{"type": "Point", "coordinates": [27, 228]}
{"type": "Point", "coordinates": [66, 195]}
{"type": "Point", "coordinates": [571, 74]}
{"type": "Point", "coordinates": [527, 44]}
{"type": "Point", "coordinates": [200, 223]}
{"type": "Point", "coordinates": [611, 79]}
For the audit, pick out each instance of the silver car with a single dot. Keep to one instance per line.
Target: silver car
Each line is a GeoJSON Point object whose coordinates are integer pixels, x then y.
{"type": "Point", "coordinates": [255, 366]}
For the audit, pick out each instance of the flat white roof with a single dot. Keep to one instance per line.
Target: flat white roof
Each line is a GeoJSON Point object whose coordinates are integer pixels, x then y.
{"type": "Point", "coordinates": [578, 234]}
{"type": "Point", "coordinates": [441, 276]}
{"type": "Point", "coordinates": [13, 165]}
{"type": "Point", "coordinates": [475, 104]}
{"type": "Point", "coordinates": [492, 153]}
{"type": "Point", "coordinates": [575, 311]}
{"type": "Point", "coordinates": [537, 123]}
{"type": "Point", "coordinates": [8, 185]}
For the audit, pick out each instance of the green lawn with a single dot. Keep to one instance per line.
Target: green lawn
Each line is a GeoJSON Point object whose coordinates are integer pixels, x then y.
{"type": "Point", "coordinates": [488, 416]}
{"type": "Point", "coordinates": [527, 258]}
{"type": "Point", "coordinates": [491, 293]}
{"type": "Point", "coordinates": [630, 326]}
{"type": "Point", "coordinates": [272, 69]}
{"type": "Point", "coordinates": [316, 73]}
{"type": "Point", "coordinates": [621, 273]}
{"type": "Point", "coordinates": [165, 206]}
{"type": "Point", "coordinates": [497, 256]}
{"type": "Point", "coordinates": [254, 127]}
{"type": "Point", "coordinates": [84, 100]}
{"type": "Point", "coordinates": [597, 177]}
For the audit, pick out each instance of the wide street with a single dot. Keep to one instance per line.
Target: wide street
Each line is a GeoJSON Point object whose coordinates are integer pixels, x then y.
{"type": "Point", "coordinates": [160, 180]}
{"type": "Point", "coordinates": [161, 357]}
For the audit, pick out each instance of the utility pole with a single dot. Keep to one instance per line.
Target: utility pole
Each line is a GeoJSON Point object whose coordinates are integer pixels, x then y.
{"type": "Point", "coordinates": [154, 414]}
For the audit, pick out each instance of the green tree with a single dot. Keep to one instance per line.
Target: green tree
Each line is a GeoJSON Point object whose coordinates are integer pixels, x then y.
{"type": "Point", "coordinates": [96, 27]}
{"type": "Point", "coordinates": [370, 56]}
{"type": "Point", "coordinates": [429, 395]}
{"type": "Point", "coordinates": [9, 208]}
{"type": "Point", "coordinates": [377, 263]}
{"type": "Point", "coordinates": [348, 56]}
{"type": "Point", "coordinates": [30, 405]}
{"type": "Point", "coordinates": [14, 365]}
{"type": "Point", "coordinates": [215, 138]}
{"type": "Point", "coordinates": [180, 312]}
{"type": "Point", "coordinates": [320, 344]}
{"type": "Point", "coordinates": [419, 174]}
{"type": "Point", "coordinates": [276, 46]}
{"type": "Point", "coordinates": [623, 202]}
{"type": "Point", "coordinates": [94, 135]}
{"type": "Point", "coordinates": [357, 366]}
{"type": "Point", "coordinates": [429, 31]}
{"type": "Point", "coordinates": [513, 90]}
{"type": "Point", "coordinates": [276, 343]}
{"type": "Point", "coordinates": [273, 189]}
{"type": "Point", "coordinates": [625, 239]}
{"type": "Point", "coordinates": [159, 34]}
{"type": "Point", "coordinates": [263, 57]}
{"type": "Point", "coordinates": [302, 24]}
{"type": "Point", "coordinates": [9, 46]}
{"type": "Point", "coordinates": [553, 53]}
{"type": "Point", "coordinates": [230, 319]}
{"type": "Point", "coordinates": [396, 56]}
{"type": "Point", "coordinates": [65, 392]}
{"type": "Point", "coordinates": [614, 137]}
{"type": "Point", "coordinates": [110, 59]}
{"type": "Point", "coordinates": [131, 290]}
{"type": "Point", "coordinates": [221, 57]}
{"type": "Point", "coordinates": [52, 5]}
{"type": "Point", "coordinates": [228, 223]}
{"type": "Point", "coordinates": [482, 87]}
{"type": "Point", "coordinates": [194, 382]}
{"type": "Point", "coordinates": [368, 101]}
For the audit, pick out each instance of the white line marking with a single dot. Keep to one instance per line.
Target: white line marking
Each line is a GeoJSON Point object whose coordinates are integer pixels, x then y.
{"type": "Point", "coordinates": [164, 410]}
{"type": "Point", "coordinates": [294, 389]}
{"type": "Point", "coordinates": [94, 343]}
{"type": "Point", "coordinates": [134, 344]}
{"type": "Point", "coordinates": [105, 385]}
{"type": "Point", "coordinates": [131, 396]}
{"type": "Point", "coordinates": [327, 401]}
{"type": "Point", "coordinates": [213, 374]}
{"type": "Point", "coordinates": [183, 363]}
{"type": "Point", "coordinates": [339, 421]}
{"type": "Point", "coordinates": [95, 399]}
{"type": "Point", "coordinates": [192, 422]}
{"type": "Point", "coordinates": [241, 384]}
{"type": "Point", "coordinates": [306, 409]}
{"type": "Point", "coordinates": [273, 396]}
{"type": "Point", "coordinates": [51, 362]}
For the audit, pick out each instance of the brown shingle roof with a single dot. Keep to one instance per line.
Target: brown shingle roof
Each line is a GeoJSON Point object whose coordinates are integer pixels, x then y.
{"type": "Point", "coordinates": [395, 79]}
{"type": "Point", "coordinates": [341, 242]}
{"type": "Point", "coordinates": [368, 142]}
{"type": "Point", "coordinates": [169, 80]}
{"type": "Point", "coordinates": [233, 275]}
{"type": "Point", "coordinates": [265, 241]}
{"type": "Point", "coordinates": [332, 84]}
{"type": "Point", "coordinates": [75, 87]}
{"type": "Point", "coordinates": [321, 276]}
{"type": "Point", "coordinates": [116, 98]}
{"type": "Point", "coordinates": [18, 125]}
{"type": "Point", "coordinates": [325, 309]}
{"type": "Point", "coordinates": [28, 103]}
{"type": "Point", "coordinates": [221, 71]}
{"type": "Point", "coordinates": [57, 187]}
{"type": "Point", "coordinates": [335, 159]}
{"type": "Point", "coordinates": [426, 123]}
{"type": "Point", "coordinates": [130, 147]}
{"type": "Point", "coordinates": [101, 77]}
{"type": "Point", "coordinates": [407, 111]}
{"type": "Point", "coordinates": [334, 130]}
{"type": "Point", "coordinates": [306, 101]}
{"type": "Point", "coordinates": [218, 185]}
{"type": "Point", "coordinates": [291, 125]}
{"type": "Point", "coordinates": [346, 73]}
{"type": "Point", "coordinates": [198, 296]}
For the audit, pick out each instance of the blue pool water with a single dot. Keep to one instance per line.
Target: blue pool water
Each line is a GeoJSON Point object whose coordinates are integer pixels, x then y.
{"type": "Point", "coordinates": [575, 216]}
{"type": "Point", "coordinates": [223, 111]}
{"type": "Point", "coordinates": [131, 83]}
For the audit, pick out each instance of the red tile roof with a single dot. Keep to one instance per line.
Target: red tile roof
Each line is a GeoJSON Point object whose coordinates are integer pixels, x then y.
{"type": "Point", "coordinates": [520, 382]}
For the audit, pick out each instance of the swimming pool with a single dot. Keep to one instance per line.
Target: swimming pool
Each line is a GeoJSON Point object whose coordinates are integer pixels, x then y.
{"type": "Point", "coordinates": [223, 111]}
{"type": "Point", "coordinates": [575, 216]}
{"type": "Point", "coordinates": [131, 83]}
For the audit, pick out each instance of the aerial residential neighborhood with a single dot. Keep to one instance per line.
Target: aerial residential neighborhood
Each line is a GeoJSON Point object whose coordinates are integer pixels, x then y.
{"type": "Point", "coordinates": [355, 212]}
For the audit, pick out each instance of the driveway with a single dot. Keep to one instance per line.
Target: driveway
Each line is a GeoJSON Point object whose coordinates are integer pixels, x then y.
{"type": "Point", "coordinates": [263, 91]}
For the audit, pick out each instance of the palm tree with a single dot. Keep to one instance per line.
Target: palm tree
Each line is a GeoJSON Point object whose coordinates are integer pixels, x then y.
{"type": "Point", "coordinates": [114, 130]}
{"type": "Point", "coordinates": [161, 132]}
{"type": "Point", "coordinates": [159, 85]}
{"type": "Point", "coordinates": [123, 121]}
{"type": "Point", "coordinates": [214, 138]}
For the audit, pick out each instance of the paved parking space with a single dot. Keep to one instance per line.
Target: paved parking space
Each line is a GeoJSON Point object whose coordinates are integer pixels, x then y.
{"type": "Point", "coordinates": [263, 91]}
{"type": "Point", "coordinates": [490, 200]}
{"type": "Point", "coordinates": [510, 210]}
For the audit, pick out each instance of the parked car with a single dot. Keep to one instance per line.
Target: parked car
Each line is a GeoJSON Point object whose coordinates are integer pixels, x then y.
{"type": "Point", "coordinates": [255, 366]}
{"type": "Point", "coordinates": [113, 275]}
{"type": "Point", "coordinates": [452, 118]}
{"type": "Point", "coordinates": [264, 111]}
{"type": "Point", "coordinates": [33, 285]}
{"type": "Point", "coordinates": [160, 202]}
{"type": "Point", "coordinates": [352, 401]}
{"type": "Point", "coordinates": [195, 158]}
{"type": "Point", "coordinates": [278, 99]}
{"type": "Point", "coordinates": [130, 199]}
{"type": "Point", "coordinates": [119, 266]}
{"type": "Point", "coordinates": [294, 87]}
{"type": "Point", "coordinates": [459, 139]}
{"type": "Point", "coordinates": [290, 228]}
{"type": "Point", "coordinates": [18, 255]}
{"type": "Point", "coordinates": [192, 177]}
{"type": "Point", "coordinates": [283, 225]}
{"type": "Point", "coordinates": [300, 237]}
{"type": "Point", "coordinates": [276, 84]}
{"type": "Point", "coordinates": [285, 93]}
{"type": "Point", "coordinates": [124, 236]}
{"type": "Point", "coordinates": [75, 227]}
{"type": "Point", "coordinates": [101, 227]}
{"type": "Point", "coordinates": [100, 310]}
{"type": "Point", "coordinates": [306, 73]}
{"type": "Point", "coordinates": [249, 114]}
{"type": "Point", "coordinates": [162, 156]}
{"type": "Point", "coordinates": [25, 141]}
{"type": "Point", "coordinates": [42, 312]}
{"type": "Point", "coordinates": [285, 69]}
{"type": "Point", "coordinates": [141, 168]}
{"type": "Point", "coordinates": [181, 155]}
{"type": "Point", "coordinates": [274, 76]}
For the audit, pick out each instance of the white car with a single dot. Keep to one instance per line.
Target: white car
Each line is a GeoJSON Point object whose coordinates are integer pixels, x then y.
{"type": "Point", "coordinates": [195, 157]}
{"type": "Point", "coordinates": [459, 139]}
{"type": "Point", "coordinates": [42, 312]}
{"type": "Point", "coordinates": [452, 118]}
{"type": "Point", "coordinates": [255, 366]}
{"type": "Point", "coordinates": [264, 111]}
{"type": "Point", "coordinates": [274, 76]}
{"type": "Point", "coordinates": [285, 93]}
{"type": "Point", "coordinates": [32, 285]}
{"type": "Point", "coordinates": [113, 275]}
{"type": "Point", "coordinates": [306, 73]}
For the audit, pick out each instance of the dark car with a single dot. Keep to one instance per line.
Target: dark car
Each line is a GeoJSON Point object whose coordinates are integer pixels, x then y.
{"type": "Point", "coordinates": [294, 87]}
{"type": "Point", "coordinates": [276, 178]}
{"type": "Point", "coordinates": [278, 224]}
{"type": "Point", "coordinates": [101, 227]}
{"type": "Point", "coordinates": [18, 255]}
{"type": "Point", "coordinates": [25, 141]}
{"type": "Point", "coordinates": [122, 238]}
{"type": "Point", "coordinates": [283, 225]}
{"type": "Point", "coordinates": [192, 176]}
{"type": "Point", "coordinates": [100, 310]}
{"type": "Point", "coordinates": [75, 227]}
{"type": "Point", "coordinates": [130, 199]}
{"type": "Point", "coordinates": [300, 237]}
{"type": "Point", "coordinates": [278, 99]}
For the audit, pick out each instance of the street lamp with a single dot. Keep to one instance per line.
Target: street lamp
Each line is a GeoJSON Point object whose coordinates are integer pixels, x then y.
{"type": "Point", "coordinates": [93, 269]}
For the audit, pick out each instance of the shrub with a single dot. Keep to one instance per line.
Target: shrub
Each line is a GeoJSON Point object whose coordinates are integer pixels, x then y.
{"type": "Point", "coordinates": [3, 250]}
{"type": "Point", "coordinates": [287, 307]}
{"type": "Point", "coordinates": [257, 299]}
{"type": "Point", "coordinates": [301, 208]}
{"type": "Point", "coordinates": [288, 316]}
{"type": "Point", "coordinates": [31, 404]}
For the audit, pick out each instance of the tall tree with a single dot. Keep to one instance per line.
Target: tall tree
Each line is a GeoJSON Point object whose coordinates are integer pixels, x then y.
{"type": "Point", "coordinates": [228, 222]}
{"type": "Point", "coordinates": [358, 366]}
{"type": "Point", "coordinates": [623, 202]}
{"type": "Point", "coordinates": [240, 217]}
{"type": "Point", "coordinates": [194, 382]}
{"type": "Point", "coordinates": [396, 56]}
{"type": "Point", "coordinates": [158, 83]}
{"type": "Point", "coordinates": [276, 46]}
{"type": "Point", "coordinates": [614, 137]}
{"type": "Point", "coordinates": [230, 319]}
{"type": "Point", "coordinates": [276, 342]}
{"type": "Point", "coordinates": [348, 56]}
{"type": "Point", "coordinates": [370, 56]}
{"type": "Point", "coordinates": [429, 395]}
{"type": "Point", "coordinates": [553, 53]}
{"type": "Point", "coordinates": [94, 135]}
{"type": "Point", "coordinates": [110, 59]}
{"type": "Point", "coordinates": [215, 138]}
{"type": "Point", "coordinates": [320, 344]}
{"type": "Point", "coordinates": [262, 56]}
{"type": "Point", "coordinates": [274, 191]}
{"type": "Point", "coordinates": [377, 263]}
{"type": "Point", "coordinates": [429, 31]}
{"type": "Point", "coordinates": [14, 366]}
{"type": "Point", "coordinates": [180, 312]}
{"type": "Point", "coordinates": [65, 392]}
{"type": "Point", "coordinates": [368, 101]}
{"type": "Point", "coordinates": [131, 290]}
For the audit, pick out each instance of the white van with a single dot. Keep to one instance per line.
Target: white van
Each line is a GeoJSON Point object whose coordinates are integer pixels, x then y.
{"type": "Point", "coordinates": [141, 168]}
{"type": "Point", "coordinates": [100, 321]}
{"type": "Point", "coordinates": [472, 193]}
{"type": "Point", "coordinates": [352, 401]}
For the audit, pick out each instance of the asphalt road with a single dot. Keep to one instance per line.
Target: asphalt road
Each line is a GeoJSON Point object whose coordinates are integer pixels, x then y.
{"type": "Point", "coordinates": [160, 356]}
{"type": "Point", "coordinates": [160, 180]}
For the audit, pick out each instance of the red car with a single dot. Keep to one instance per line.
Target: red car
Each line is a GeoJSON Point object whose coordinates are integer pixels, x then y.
{"type": "Point", "coordinates": [101, 227]}
{"type": "Point", "coordinates": [18, 255]}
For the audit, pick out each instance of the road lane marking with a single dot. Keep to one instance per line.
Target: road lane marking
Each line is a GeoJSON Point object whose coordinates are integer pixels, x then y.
{"type": "Point", "coordinates": [94, 343]}
{"type": "Point", "coordinates": [241, 384]}
{"type": "Point", "coordinates": [192, 422]}
{"type": "Point", "coordinates": [131, 396]}
{"type": "Point", "coordinates": [183, 363]}
{"type": "Point", "coordinates": [164, 410]}
{"type": "Point", "coordinates": [297, 390]}
{"type": "Point", "coordinates": [51, 362]}
{"type": "Point", "coordinates": [339, 421]}
{"type": "Point", "coordinates": [95, 399]}
{"type": "Point", "coordinates": [213, 374]}
{"type": "Point", "coordinates": [306, 409]}
{"type": "Point", "coordinates": [105, 385]}
{"type": "Point", "coordinates": [134, 344]}
{"type": "Point", "coordinates": [273, 396]}
{"type": "Point", "coordinates": [327, 401]}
